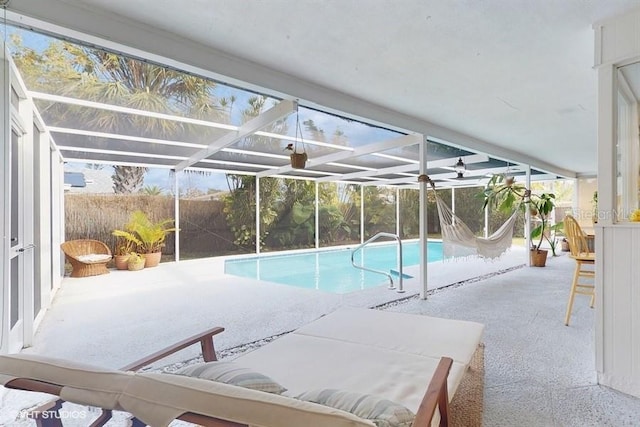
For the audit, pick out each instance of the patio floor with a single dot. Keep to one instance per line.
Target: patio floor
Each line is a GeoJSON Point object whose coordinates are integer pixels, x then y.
{"type": "Point", "coordinates": [538, 371]}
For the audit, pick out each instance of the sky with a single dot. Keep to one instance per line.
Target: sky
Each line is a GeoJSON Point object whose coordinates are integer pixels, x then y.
{"type": "Point", "coordinates": [357, 133]}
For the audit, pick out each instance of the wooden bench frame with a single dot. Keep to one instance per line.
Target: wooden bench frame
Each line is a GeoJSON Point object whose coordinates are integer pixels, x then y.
{"type": "Point", "coordinates": [435, 397]}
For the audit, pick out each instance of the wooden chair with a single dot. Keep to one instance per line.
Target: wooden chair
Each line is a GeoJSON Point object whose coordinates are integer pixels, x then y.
{"type": "Point", "coordinates": [579, 251]}
{"type": "Point", "coordinates": [87, 257]}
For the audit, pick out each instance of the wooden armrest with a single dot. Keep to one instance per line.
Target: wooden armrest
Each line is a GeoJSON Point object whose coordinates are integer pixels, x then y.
{"type": "Point", "coordinates": [436, 396]}
{"type": "Point", "coordinates": [47, 414]}
{"type": "Point", "coordinates": [34, 385]}
{"type": "Point", "coordinates": [205, 421]}
{"type": "Point", "coordinates": [206, 342]}
{"type": "Point", "coordinates": [208, 352]}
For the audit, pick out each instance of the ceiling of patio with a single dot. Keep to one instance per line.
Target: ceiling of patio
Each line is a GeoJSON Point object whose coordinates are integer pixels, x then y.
{"type": "Point", "coordinates": [492, 80]}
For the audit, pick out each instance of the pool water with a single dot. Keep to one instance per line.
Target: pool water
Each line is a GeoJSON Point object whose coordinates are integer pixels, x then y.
{"type": "Point", "coordinates": [331, 270]}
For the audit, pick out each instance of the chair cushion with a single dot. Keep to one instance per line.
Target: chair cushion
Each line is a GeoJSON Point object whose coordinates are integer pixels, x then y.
{"type": "Point", "coordinates": [383, 412]}
{"type": "Point", "coordinates": [234, 374]}
{"type": "Point", "coordinates": [94, 258]}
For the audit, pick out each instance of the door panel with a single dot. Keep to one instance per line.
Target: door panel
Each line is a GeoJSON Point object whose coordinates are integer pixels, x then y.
{"type": "Point", "coordinates": [16, 286]}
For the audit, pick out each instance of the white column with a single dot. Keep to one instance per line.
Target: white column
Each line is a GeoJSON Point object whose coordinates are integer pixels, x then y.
{"type": "Point", "coordinates": [423, 221]}
{"type": "Point", "coordinates": [28, 188]}
{"type": "Point", "coordinates": [398, 212]}
{"type": "Point", "coordinates": [486, 222]}
{"type": "Point", "coordinates": [44, 222]}
{"type": "Point", "coordinates": [317, 225]}
{"type": "Point", "coordinates": [5, 206]}
{"type": "Point", "coordinates": [176, 212]}
{"type": "Point", "coordinates": [57, 219]}
{"type": "Point", "coordinates": [527, 219]}
{"type": "Point", "coordinates": [257, 215]}
{"type": "Point", "coordinates": [453, 200]}
{"type": "Point", "coordinates": [361, 214]}
{"type": "Point", "coordinates": [574, 202]}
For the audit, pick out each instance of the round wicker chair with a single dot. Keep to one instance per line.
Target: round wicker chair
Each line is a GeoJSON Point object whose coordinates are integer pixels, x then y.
{"type": "Point", "coordinates": [87, 257]}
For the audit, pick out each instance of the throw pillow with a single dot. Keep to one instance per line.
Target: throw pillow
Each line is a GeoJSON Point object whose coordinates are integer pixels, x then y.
{"type": "Point", "coordinates": [231, 373]}
{"type": "Point", "coordinates": [382, 412]}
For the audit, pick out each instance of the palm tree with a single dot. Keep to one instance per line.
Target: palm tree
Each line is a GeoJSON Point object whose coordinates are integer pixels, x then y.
{"type": "Point", "coordinates": [151, 190]}
{"type": "Point", "coordinates": [87, 73]}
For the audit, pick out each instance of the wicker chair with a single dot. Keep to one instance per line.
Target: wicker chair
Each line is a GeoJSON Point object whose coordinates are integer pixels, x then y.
{"type": "Point", "coordinates": [87, 257]}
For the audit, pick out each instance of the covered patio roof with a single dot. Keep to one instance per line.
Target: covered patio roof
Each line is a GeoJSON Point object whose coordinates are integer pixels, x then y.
{"type": "Point", "coordinates": [230, 140]}
{"type": "Point", "coordinates": [514, 82]}
{"type": "Point", "coordinates": [356, 152]}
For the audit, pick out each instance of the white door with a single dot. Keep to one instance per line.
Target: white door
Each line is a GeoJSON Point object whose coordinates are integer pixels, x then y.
{"type": "Point", "coordinates": [16, 225]}
{"type": "Point", "coordinates": [17, 247]}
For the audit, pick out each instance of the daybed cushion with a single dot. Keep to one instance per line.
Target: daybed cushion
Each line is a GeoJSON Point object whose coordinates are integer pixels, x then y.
{"type": "Point", "coordinates": [383, 412]}
{"type": "Point", "coordinates": [232, 373]}
{"type": "Point", "coordinates": [402, 332]}
{"type": "Point", "coordinates": [388, 354]}
{"type": "Point", "coordinates": [157, 399]}
{"type": "Point", "coordinates": [85, 384]}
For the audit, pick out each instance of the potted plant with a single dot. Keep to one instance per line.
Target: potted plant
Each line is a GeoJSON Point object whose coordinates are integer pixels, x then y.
{"type": "Point", "coordinates": [150, 235]}
{"type": "Point", "coordinates": [135, 261]}
{"type": "Point", "coordinates": [298, 158]}
{"type": "Point", "coordinates": [504, 193]}
{"type": "Point", "coordinates": [126, 242]}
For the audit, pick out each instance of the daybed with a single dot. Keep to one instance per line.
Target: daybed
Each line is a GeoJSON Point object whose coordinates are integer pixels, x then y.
{"type": "Point", "coordinates": [360, 351]}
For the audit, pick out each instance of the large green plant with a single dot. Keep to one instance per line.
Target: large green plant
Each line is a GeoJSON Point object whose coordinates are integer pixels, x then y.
{"type": "Point", "coordinates": [505, 194]}
{"type": "Point", "coordinates": [126, 242]}
{"type": "Point", "coordinates": [148, 235]}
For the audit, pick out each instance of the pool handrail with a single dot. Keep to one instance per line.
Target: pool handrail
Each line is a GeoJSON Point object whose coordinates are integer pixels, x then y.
{"type": "Point", "coordinates": [362, 267]}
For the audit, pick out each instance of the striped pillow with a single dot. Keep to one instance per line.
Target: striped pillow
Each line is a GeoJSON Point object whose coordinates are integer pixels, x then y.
{"type": "Point", "coordinates": [382, 412]}
{"type": "Point", "coordinates": [230, 373]}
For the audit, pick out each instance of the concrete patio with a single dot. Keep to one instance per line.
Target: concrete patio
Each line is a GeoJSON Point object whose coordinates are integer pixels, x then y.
{"type": "Point", "coordinates": [538, 371]}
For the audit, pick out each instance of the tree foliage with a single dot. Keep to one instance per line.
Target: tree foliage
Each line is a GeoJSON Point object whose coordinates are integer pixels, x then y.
{"type": "Point", "coordinates": [67, 69]}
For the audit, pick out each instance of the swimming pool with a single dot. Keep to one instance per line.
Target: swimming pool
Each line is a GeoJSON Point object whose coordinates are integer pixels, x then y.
{"type": "Point", "coordinates": [331, 270]}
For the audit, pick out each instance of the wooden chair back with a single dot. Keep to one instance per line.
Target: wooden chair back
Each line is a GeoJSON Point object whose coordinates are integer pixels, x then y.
{"type": "Point", "coordinates": [577, 238]}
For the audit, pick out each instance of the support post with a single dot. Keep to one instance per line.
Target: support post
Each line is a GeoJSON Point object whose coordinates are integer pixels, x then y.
{"type": "Point", "coordinates": [361, 214]}
{"type": "Point", "coordinates": [423, 221]}
{"type": "Point", "coordinates": [486, 222]}
{"type": "Point", "coordinates": [317, 225]}
{"type": "Point", "coordinates": [453, 200]}
{"type": "Point", "coordinates": [398, 212]}
{"type": "Point", "coordinates": [527, 219]}
{"type": "Point", "coordinates": [257, 215]}
{"type": "Point", "coordinates": [176, 214]}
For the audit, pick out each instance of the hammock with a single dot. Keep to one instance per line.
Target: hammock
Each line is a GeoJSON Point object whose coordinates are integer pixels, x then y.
{"type": "Point", "coordinates": [459, 241]}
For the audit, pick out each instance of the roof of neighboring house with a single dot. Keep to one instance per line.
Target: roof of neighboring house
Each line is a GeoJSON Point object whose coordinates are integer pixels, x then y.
{"type": "Point", "coordinates": [96, 181]}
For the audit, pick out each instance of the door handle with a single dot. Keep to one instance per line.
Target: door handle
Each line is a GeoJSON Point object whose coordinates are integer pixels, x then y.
{"type": "Point", "coordinates": [30, 246]}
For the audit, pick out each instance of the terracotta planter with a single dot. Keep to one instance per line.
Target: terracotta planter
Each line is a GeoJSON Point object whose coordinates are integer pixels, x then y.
{"type": "Point", "coordinates": [152, 260]}
{"type": "Point", "coordinates": [121, 262]}
{"type": "Point", "coordinates": [538, 257]}
{"type": "Point", "coordinates": [135, 265]}
{"type": "Point", "coordinates": [298, 160]}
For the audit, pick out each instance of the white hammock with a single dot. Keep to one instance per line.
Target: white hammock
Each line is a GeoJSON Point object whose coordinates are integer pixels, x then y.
{"type": "Point", "coordinates": [459, 241]}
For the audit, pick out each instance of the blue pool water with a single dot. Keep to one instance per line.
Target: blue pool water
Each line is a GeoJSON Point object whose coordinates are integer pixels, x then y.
{"type": "Point", "coordinates": [331, 270]}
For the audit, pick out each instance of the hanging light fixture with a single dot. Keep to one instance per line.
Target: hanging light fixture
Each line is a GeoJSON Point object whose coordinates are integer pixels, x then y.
{"type": "Point", "coordinates": [460, 168]}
